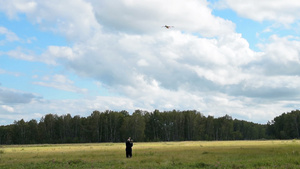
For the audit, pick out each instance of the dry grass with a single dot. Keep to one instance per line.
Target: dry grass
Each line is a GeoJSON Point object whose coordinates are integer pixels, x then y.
{"type": "Point", "coordinates": [190, 154]}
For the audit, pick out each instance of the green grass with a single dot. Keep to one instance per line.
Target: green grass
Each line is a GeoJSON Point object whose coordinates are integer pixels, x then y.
{"type": "Point", "coordinates": [194, 154]}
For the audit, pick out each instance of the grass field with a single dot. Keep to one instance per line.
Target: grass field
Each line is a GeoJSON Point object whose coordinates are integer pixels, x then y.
{"type": "Point", "coordinates": [190, 154]}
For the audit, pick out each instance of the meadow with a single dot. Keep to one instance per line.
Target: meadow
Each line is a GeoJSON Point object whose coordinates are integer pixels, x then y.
{"type": "Point", "coordinates": [187, 154]}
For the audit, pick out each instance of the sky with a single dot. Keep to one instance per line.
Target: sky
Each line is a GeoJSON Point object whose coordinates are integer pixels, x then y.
{"type": "Point", "coordinates": [234, 57]}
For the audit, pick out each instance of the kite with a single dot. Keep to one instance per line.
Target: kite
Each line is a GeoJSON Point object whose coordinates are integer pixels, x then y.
{"type": "Point", "coordinates": [168, 26]}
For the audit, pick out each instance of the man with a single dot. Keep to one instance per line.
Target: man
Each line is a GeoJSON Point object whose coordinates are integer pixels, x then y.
{"type": "Point", "coordinates": [129, 144]}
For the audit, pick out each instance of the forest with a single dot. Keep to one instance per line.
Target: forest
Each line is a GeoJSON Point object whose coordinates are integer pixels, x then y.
{"type": "Point", "coordinates": [144, 126]}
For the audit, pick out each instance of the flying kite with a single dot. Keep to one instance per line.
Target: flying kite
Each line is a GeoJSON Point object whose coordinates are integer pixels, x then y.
{"type": "Point", "coordinates": [168, 26]}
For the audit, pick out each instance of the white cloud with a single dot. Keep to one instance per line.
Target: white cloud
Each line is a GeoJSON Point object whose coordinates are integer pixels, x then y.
{"type": "Point", "coordinates": [149, 16]}
{"type": "Point", "coordinates": [11, 96]}
{"type": "Point", "coordinates": [164, 69]}
{"type": "Point", "coordinates": [13, 7]}
{"type": "Point", "coordinates": [51, 56]}
{"type": "Point", "coordinates": [284, 12]}
{"type": "Point", "coordinates": [281, 56]}
{"type": "Point", "coordinates": [60, 82]}
{"type": "Point", "coordinates": [16, 74]}
{"type": "Point", "coordinates": [72, 18]}
{"type": "Point", "coordinates": [9, 36]}
{"type": "Point", "coordinates": [22, 54]}
{"type": "Point", "coordinates": [201, 64]}
{"type": "Point", "coordinates": [82, 107]}
{"type": "Point", "coordinates": [7, 108]}
{"type": "Point", "coordinates": [142, 62]}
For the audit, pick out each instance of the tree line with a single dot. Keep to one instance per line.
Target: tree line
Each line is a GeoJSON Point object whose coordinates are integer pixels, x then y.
{"type": "Point", "coordinates": [116, 126]}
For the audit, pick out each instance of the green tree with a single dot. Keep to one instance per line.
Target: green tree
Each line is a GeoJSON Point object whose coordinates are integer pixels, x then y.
{"type": "Point", "coordinates": [32, 130]}
{"type": "Point", "coordinates": [95, 126]}
{"type": "Point", "coordinates": [134, 126]}
{"type": "Point", "coordinates": [153, 126]}
{"type": "Point", "coordinates": [19, 132]}
{"type": "Point", "coordinates": [210, 128]}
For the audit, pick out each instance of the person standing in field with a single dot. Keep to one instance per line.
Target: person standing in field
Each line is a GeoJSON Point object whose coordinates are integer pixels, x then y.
{"type": "Point", "coordinates": [129, 144]}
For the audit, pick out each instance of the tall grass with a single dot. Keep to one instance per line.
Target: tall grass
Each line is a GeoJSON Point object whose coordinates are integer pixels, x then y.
{"type": "Point", "coordinates": [198, 154]}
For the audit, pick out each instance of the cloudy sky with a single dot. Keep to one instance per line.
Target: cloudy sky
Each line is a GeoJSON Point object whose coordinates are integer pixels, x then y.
{"type": "Point", "coordinates": [235, 57]}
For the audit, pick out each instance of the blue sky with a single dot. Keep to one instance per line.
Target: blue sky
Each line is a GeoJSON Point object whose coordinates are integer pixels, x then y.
{"type": "Point", "coordinates": [240, 58]}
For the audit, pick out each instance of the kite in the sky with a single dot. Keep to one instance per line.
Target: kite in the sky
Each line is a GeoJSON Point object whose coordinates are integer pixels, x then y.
{"type": "Point", "coordinates": [168, 26]}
